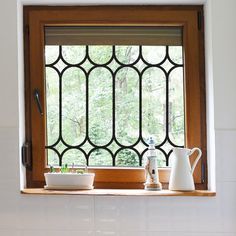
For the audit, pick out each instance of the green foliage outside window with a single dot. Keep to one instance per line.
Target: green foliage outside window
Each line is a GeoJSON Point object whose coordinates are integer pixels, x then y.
{"type": "Point", "coordinates": [100, 96]}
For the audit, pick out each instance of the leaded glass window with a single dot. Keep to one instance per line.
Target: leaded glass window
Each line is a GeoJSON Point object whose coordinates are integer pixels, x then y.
{"type": "Point", "coordinates": [108, 90]}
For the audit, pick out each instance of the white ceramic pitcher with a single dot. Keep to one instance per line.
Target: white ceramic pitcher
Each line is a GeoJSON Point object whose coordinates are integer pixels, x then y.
{"type": "Point", "coordinates": [181, 177]}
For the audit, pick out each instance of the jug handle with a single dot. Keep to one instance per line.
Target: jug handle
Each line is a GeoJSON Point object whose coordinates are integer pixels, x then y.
{"type": "Point", "coordinates": [197, 159]}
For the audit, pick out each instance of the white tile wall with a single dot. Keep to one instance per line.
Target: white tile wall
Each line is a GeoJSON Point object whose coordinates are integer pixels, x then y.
{"type": "Point", "coordinates": [24, 215]}
{"type": "Point", "coordinates": [141, 216]}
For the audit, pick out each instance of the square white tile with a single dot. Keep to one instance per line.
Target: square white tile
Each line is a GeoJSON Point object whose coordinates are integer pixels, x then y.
{"type": "Point", "coordinates": [106, 213]}
{"type": "Point", "coordinates": [182, 214]}
{"type": "Point", "coordinates": [9, 197]}
{"type": "Point", "coordinates": [9, 153]}
{"type": "Point", "coordinates": [227, 195]}
{"type": "Point", "coordinates": [81, 213]}
{"type": "Point", "coordinates": [157, 233]}
{"type": "Point", "coordinates": [56, 233]}
{"type": "Point", "coordinates": [208, 215]}
{"type": "Point", "coordinates": [106, 233]}
{"type": "Point", "coordinates": [132, 213]}
{"type": "Point", "coordinates": [133, 233]}
{"type": "Point", "coordinates": [200, 234]}
{"type": "Point", "coordinates": [31, 212]}
{"type": "Point", "coordinates": [9, 232]}
{"type": "Point", "coordinates": [57, 213]}
{"type": "Point", "coordinates": [225, 155]}
{"type": "Point", "coordinates": [158, 213]}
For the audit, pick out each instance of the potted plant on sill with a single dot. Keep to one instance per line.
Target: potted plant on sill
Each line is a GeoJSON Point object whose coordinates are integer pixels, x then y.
{"type": "Point", "coordinates": [69, 178]}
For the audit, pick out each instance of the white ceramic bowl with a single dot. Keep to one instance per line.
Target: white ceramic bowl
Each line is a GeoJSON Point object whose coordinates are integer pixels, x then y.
{"type": "Point", "coordinates": [69, 180]}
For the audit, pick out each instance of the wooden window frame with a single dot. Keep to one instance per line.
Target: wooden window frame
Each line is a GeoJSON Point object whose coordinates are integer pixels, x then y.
{"type": "Point", "coordinates": [188, 17]}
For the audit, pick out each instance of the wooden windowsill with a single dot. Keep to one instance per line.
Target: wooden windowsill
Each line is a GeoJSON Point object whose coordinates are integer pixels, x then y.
{"type": "Point", "coordinates": [118, 192]}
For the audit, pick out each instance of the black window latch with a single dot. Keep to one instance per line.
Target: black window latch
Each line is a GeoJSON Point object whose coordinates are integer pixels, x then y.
{"type": "Point", "coordinates": [26, 155]}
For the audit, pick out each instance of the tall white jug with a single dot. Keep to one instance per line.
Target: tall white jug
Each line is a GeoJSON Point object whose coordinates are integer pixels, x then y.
{"type": "Point", "coordinates": [181, 177]}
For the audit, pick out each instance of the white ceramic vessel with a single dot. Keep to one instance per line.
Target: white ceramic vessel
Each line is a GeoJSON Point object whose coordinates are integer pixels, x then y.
{"type": "Point", "coordinates": [69, 180]}
{"type": "Point", "coordinates": [181, 177]}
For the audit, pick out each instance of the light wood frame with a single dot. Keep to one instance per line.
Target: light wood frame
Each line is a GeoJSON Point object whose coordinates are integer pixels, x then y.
{"type": "Point", "coordinates": [188, 17]}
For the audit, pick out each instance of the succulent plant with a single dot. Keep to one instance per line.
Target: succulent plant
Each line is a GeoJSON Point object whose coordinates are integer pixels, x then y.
{"type": "Point", "coordinates": [52, 169]}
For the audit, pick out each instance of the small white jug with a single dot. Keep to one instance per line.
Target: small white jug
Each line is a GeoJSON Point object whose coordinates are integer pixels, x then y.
{"type": "Point", "coordinates": [181, 177]}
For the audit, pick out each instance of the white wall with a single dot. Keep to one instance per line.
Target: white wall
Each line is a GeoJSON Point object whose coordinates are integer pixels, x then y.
{"type": "Point", "coordinates": [140, 216]}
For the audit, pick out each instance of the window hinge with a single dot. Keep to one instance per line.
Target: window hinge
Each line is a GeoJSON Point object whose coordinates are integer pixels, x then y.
{"type": "Point", "coordinates": [26, 154]}
{"type": "Point", "coordinates": [199, 20]}
{"type": "Point", "coordinates": [203, 175]}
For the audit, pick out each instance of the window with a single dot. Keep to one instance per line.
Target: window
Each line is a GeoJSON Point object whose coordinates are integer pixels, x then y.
{"type": "Point", "coordinates": [100, 80]}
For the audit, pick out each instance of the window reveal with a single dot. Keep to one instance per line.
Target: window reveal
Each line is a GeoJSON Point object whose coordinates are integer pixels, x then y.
{"type": "Point", "coordinates": [36, 22]}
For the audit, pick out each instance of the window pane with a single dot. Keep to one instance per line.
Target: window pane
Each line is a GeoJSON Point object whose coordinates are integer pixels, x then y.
{"type": "Point", "coordinates": [127, 157]}
{"type": "Point", "coordinates": [73, 54]}
{"type": "Point", "coordinates": [100, 106]}
{"type": "Point", "coordinates": [73, 106]}
{"type": "Point", "coordinates": [153, 54]}
{"type": "Point", "coordinates": [51, 54]}
{"type": "Point", "coordinates": [100, 54]}
{"type": "Point", "coordinates": [52, 101]}
{"type": "Point", "coordinates": [154, 104]}
{"type": "Point", "coordinates": [127, 54]}
{"type": "Point", "coordinates": [176, 107]}
{"type": "Point", "coordinates": [53, 159]}
{"type": "Point", "coordinates": [100, 157]}
{"type": "Point", "coordinates": [175, 53]}
{"type": "Point", "coordinates": [74, 157]}
{"type": "Point", "coordinates": [127, 106]}
{"type": "Point", "coordinates": [104, 101]}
